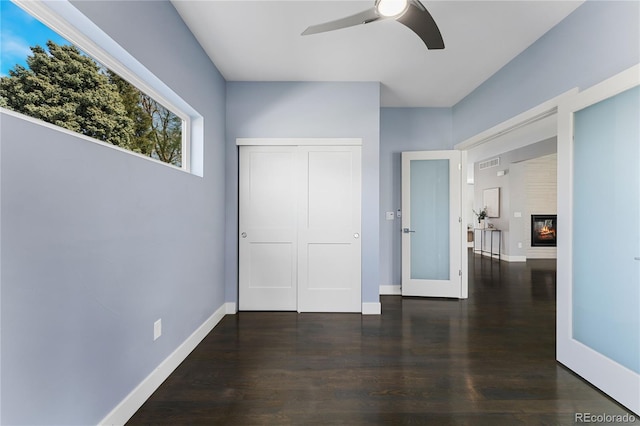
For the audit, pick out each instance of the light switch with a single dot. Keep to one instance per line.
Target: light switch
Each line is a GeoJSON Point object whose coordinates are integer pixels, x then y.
{"type": "Point", "coordinates": [517, 214]}
{"type": "Point", "coordinates": [390, 216]}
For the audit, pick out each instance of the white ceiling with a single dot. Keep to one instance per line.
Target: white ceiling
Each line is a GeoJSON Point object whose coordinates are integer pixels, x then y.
{"type": "Point", "coordinates": [261, 41]}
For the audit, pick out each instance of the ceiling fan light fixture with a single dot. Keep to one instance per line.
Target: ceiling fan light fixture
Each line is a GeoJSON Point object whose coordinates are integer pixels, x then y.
{"type": "Point", "coordinates": [410, 13]}
{"type": "Point", "coordinates": [391, 8]}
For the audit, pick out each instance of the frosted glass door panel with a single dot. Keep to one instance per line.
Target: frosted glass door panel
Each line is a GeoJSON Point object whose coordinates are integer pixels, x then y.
{"type": "Point", "coordinates": [430, 219]}
{"type": "Point", "coordinates": [606, 228]}
{"type": "Point", "coordinates": [432, 251]}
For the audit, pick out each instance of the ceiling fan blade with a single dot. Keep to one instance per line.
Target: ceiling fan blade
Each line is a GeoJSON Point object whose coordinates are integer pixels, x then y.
{"type": "Point", "coordinates": [420, 21]}
{"type": "Point", "coordinates": [363, 17]}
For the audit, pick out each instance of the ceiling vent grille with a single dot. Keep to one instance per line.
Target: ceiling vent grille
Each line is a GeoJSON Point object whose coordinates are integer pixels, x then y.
{"type": "Point", "coordinates": [494, 162]}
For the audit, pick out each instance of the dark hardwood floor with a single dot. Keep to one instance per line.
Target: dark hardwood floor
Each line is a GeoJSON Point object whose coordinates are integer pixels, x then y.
{"type": "Point", "coordinates": [487, 360]}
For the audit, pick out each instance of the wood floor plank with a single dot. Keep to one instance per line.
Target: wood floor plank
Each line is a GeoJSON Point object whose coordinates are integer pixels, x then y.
{"type": "Point", "coordinates": [487, 360]}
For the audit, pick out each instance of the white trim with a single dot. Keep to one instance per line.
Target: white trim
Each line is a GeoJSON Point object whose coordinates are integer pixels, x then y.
{"type": "Point", "coordinates": [299, 141]}
{"type": "Point", "coordinates": [85, 137]}
{"type": "Point", "coordinates": [508, 258]}
{"type": "Point", "coordinates": [371, 308]}
{"type": "Point", "coordinates": [1, 272]}
{"type": "Point", "coordinates": [231, 308]}
{"type": "Point", "coordinates": [613, 86]}
{"type": "Point", "coordinates": [86, 35]}
{"type": "Point", "coordinates": [132, 402]}
{"type": "Point", "coordinates": [541, 256]}
{"type": "Point", "coordinates": [617, 381]}
{"type": "Point", "coordinates": [390, 290]}
{"type": "Point", "coordinates": [464, 252]}
{"type": "Point", "coordinates": [539, 115]}
{"type": "Point", "coordinates": [533, 115]}
{"type": "Point", "coordinates": [491, 255]}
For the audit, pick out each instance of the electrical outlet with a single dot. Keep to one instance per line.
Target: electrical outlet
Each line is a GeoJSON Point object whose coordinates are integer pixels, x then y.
{"type": "Point", "coordinates": [157, 329]}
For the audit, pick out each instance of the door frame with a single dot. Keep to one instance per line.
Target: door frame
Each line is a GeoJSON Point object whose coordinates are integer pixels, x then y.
{"type": "Point", "coordinates": [527, 128]}
{"type": "Point", "coordinates": [522, 130]}
{"type": "Point", "coordinates": [299, 141]}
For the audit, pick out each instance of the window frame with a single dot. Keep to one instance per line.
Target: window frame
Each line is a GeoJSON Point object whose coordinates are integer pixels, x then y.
{"type": "Point", "coordinates": [96, 43]}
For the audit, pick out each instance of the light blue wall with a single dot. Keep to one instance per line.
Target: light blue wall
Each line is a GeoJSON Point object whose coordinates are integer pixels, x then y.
{"type": "Point", "coordinates": [598, 40]}
{"type": "Point", "coordinates": [310, 110]}
{"type": "Point", "coordinates": [97, 244]}
{"type": "Point", "coordinates": [403, 129]}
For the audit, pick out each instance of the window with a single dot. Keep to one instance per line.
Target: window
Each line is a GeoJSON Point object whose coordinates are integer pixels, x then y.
{"type": "Point", "coordinates": [45, 76]}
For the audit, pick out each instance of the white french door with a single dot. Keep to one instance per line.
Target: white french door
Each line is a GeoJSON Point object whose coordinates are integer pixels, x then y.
{"type": "Point", "coordinates": [300, 215]}
{"type": "Point", "coordinates": [432, 225]}
{"type": "Point", "coordinates": [598, 294]}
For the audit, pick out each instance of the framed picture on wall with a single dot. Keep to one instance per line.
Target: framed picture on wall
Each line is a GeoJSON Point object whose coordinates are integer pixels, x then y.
{"type": "Point", "coordinates": [491, 200]}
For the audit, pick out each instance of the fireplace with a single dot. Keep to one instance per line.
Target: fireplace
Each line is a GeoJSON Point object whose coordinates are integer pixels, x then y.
{"type": "Point", "coordinates": [543, 230]}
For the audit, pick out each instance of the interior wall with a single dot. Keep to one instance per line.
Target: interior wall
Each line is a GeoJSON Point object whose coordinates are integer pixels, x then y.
{"type": "Point", "coordinates": [598, 40]}
{"type": "Point", "coordinates": [403, 129]}
{"type": "Point", "coordinates": [97, 244]}
{"type": "Point", "coordinates": [541, 176]}
{"type": "Point", "coordinates": [307, 110]}
{"type": "Point", "coordinates": [516, 188]}
{"type": "Point", "coordinates": [488, 179]}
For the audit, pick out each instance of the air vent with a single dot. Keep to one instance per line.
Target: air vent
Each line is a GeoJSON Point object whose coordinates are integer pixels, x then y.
{"type": "Point", "coordinates": [494, 162]}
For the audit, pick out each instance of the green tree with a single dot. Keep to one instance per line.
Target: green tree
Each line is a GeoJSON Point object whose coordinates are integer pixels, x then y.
{"type": "Point", "coordinates": [68, 89]}
{"type": "Point", "coordinates": [167, 131]}
{"type": "Point", "coordinates": [143, 141]}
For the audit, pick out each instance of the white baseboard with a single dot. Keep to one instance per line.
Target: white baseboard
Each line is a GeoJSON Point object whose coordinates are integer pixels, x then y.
{"type": "Point", "coordinates": [371, 308]}
{"type": "Point", "coordinates": [230, 308]}
{"type": "Point", "coordinates": [515, 258]}
{"type": "Point", "coordinates": [390, 290]}
{"type": "Point", "coordinates": [505, 257]}
{"type": "Point", "coordinates": [132, 402]}
{"type": "Point", "coordinates": [542, 256]}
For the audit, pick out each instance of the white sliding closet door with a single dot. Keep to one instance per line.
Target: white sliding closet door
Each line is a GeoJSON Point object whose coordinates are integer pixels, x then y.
{"type": "Point", "coordinates": [268, 232]}
{"type": "Point", "coordinates": [329, 230]}
{"type": "Point", "coordinates": [299, 234]}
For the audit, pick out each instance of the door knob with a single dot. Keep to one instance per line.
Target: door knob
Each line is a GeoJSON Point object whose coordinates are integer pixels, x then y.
{"type": "Point", "coordinates": [356, 235]}
{"type": "Point", "coordinates": [407, 230]}
{"type": "Point", "coordinates": [244, 235]}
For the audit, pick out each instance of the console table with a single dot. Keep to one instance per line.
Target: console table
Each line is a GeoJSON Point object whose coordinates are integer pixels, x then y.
{"type": "Point", "coordinates": [492, 232]}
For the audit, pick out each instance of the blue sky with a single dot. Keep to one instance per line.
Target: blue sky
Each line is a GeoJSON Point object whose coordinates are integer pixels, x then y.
{"type": "Point", "coordinates": [18, 32]}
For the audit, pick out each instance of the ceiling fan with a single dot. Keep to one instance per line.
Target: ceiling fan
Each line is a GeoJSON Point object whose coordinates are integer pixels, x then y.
{"type": "Point", "coordinates": [410, 13]}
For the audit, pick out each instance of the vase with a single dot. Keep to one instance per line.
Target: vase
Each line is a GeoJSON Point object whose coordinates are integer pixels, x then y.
{"type": "Point", "coordinates": [482, 224]}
